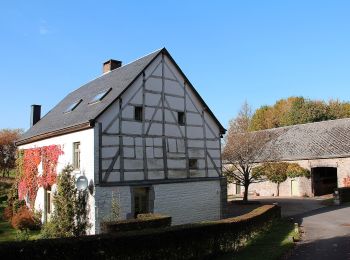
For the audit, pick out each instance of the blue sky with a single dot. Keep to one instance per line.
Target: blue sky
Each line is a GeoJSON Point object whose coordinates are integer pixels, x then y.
{"type": "Point", "coordinates": [231, 51]}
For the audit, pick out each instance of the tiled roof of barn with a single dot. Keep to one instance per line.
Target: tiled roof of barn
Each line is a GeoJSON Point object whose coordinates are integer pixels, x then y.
{"type": "Point", "coordinates": [326, 139]}
{"type": "Point", "coordinates": [57, 122]}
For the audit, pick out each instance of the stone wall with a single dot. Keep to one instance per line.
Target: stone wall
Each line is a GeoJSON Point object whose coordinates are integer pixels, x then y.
{"type": "Point", "coordinates": [303, 184]}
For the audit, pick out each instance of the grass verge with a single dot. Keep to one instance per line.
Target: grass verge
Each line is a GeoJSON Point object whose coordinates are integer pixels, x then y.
{"type": "Point", "coordinates": [7, 232]}
{"type": "Point", "coordinates": [268, 245]}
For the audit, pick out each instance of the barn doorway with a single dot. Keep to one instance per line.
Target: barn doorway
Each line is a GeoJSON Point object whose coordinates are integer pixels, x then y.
{"type": "Point", "coordinates": [324, 180]}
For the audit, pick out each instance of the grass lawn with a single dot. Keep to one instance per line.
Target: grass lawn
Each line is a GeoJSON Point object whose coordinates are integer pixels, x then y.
{"type": "Point", "coordinates": [7, 232]}
{"type": "Point", "coordinates": [271, 244]}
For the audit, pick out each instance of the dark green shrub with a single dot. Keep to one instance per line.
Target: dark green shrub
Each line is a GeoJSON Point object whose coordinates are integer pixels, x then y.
{"type": "Point", "coordinates": [143, 221]}
{"type": "Point", "coordinates": [192, 241]}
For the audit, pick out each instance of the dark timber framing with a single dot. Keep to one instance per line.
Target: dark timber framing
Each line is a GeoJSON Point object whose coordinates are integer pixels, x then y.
{"type": "Point", "coordinates": [165, 159]}
{"type": "Point", "coordinates": [163, 105]}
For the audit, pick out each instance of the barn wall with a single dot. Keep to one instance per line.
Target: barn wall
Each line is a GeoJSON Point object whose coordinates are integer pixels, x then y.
{"type": "Point", "coordinates": [86, 139]}
{"type": "Point", "coordinates": [185, 202]}
{"type": "Point", "coordinates": [304, 184]}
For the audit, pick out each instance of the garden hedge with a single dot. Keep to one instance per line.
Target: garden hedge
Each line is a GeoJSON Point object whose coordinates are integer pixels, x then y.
{"type": "Point", "coordinates": [191, 241]}
{"type": "Point", "coordinates": [143, 221]}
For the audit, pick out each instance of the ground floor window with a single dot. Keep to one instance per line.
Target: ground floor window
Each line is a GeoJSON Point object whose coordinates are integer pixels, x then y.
{"type": "Point", "coordinates": [141, 200]}
{"type": "Point", "coordinates": [48, 203]}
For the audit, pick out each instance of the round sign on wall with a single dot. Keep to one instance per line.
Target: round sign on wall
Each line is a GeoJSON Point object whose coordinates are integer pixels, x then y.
{"type": "Point", "coordinates": [81, 183]}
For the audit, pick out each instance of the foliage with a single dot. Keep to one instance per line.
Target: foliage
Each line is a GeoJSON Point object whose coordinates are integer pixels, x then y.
{"type": "Point", "coordinates": [114, 213]}
{"type": "Point", "coordinates": [295, 170]}
{"type": "Point", "coordinates": [191, 241]}
{"type": "Point", "coordinates": [143, 221]}
{"type": "Point", "coordinates": [22, 235]}
{"type": "Point", "coordinates": [24, 218]}
{"type": "Point", "coordinates": [8, 150]}
{"type": "Point", "coordinates": [69, 217]}
{"type": "Point", "coordinates": [28, 178]}
{"type": "Point", "coordinates": [278, 172]}
{"type": "Point", "coordinates": [298, 110]}
{"type": "Point", "coordinates": [242, 149]}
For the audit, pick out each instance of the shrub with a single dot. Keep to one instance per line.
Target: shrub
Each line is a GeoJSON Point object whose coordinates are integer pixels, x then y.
{"type": "Point", "coordinates": [70, 215]}
{"type": "Point", "coordinates": [143, 221]}
{"type": "Point", "coordinates": [22, 235]}
{"type": "Point", "coordinates": [8, 213]}
{"type": "Point", "coordinates": [192, 241]}
{"type": "Point", "coordinates": [25, 219]}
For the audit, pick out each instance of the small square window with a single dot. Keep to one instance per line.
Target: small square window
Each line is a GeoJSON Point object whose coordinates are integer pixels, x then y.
{"type": "Point", "coordinates": [181, 118]}
{"type": "Point", "coordinates": [193, 163]}
{"type": "Point", "coordinates": [138, 113]}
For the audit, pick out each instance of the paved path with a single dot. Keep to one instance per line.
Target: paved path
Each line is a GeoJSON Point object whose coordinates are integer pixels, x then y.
{"type": "Point", "coordinates": [327, 234]}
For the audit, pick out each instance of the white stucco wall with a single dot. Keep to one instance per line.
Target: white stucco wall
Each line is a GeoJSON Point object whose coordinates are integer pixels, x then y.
{"type": "Point", "coordinates": [185, 202]}
{"type": "Point", "coordinates": [86, 139]}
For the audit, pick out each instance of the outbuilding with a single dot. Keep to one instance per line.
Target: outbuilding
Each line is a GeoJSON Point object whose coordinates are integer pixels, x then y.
{"type": "Point", "coordinates": [321, 147]}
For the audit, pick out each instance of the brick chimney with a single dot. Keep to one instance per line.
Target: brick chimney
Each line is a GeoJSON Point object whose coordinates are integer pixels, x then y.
{"type": "Point", "coordinates": [111, 65]}
{"type": "Point", "coordinates": [35, 114]}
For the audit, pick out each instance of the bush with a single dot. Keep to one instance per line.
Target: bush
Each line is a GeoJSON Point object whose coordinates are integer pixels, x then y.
{"type": "Point", "coordinates": [192, 241]}
{"type": "Point", "coordinates": [8, 213]}
{"type": "Point", "coordinates": [25, 219]}
{"type": "Point", "coordinates": [143, 221]}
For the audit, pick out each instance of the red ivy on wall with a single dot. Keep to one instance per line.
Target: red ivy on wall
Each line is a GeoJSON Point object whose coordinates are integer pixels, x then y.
{"type": "Point", "coordinates": [30, 181]}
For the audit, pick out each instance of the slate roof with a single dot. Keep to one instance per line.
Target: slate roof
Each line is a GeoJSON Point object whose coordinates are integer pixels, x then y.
{"type": "Point", "coordinates": [326, 139]}
{"type": "Point", "coordinates": [83, 116]}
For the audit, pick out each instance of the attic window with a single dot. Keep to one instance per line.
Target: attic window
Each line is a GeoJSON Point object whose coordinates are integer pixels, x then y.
{"type": "Point", "coordinates": [73, 106]}
{"type": "Point", "coordinates": [99, 96]}
{"type": "Point", "coordinates": [181, 118]}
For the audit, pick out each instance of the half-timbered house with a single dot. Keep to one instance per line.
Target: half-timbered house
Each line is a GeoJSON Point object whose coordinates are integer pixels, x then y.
{"type": "Point", "coordinates": [141, 133]}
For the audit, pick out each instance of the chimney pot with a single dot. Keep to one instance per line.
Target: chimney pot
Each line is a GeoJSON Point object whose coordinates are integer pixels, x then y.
{"type": "Point", "coordinates": [111, 65]}
{"type": "Point", "coordinates": [35, 114]}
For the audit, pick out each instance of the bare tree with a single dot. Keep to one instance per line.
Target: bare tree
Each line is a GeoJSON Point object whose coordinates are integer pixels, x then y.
{"type": "Point", "coordinates": [243, 149]}
{"type": "Point", "coordinates": [8, 150]}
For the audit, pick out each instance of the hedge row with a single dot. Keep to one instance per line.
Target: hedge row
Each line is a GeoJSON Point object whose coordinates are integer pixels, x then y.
{"type": "Point", "coordinates": [344, 194]}
{"type": "Point", "coordinates": [143, 221]}
{"type": "Point", "coordinates": [192, 241]}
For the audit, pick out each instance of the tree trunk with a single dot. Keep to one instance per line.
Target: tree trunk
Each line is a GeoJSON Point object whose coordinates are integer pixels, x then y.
{"type": "Point", "coordinates": [245, 194]}
{"type": "Point", "coordinates": [278, 189]}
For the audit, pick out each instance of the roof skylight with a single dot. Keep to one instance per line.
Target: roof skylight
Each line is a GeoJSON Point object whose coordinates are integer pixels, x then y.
{"type": "Point", "coordinates": [73, 106]}
{"type": "Point", "coordinates": [99, 96]}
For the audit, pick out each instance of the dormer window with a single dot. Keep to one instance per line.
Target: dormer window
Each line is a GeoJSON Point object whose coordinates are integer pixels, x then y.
{"type": "Point", "coordinates": [73, 106]}
{"type": "Point", "coordinates": [99, 96]}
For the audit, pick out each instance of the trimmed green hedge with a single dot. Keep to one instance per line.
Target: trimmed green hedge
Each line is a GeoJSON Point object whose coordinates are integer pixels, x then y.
{"type": "Point", "coordinates": [192, 241]}
{"type": "Point", "coordinates": [143, 221]}
{"type": "Point", "coordinates": [344, 194]}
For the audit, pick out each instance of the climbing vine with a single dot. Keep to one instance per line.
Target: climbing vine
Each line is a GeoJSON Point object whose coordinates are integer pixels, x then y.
{"type": "Point", "coordinates": [28, 161]}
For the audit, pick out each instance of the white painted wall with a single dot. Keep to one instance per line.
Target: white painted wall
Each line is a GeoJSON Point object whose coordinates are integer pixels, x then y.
{"type": "Point", "coordinates": [86, 139]}
{"type": "Point", "coordinates": [185, 202]}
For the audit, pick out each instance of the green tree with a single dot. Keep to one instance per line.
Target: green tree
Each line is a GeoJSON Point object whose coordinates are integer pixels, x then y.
{"type": "Point", "coordinates": [69, 217]}
{"type": "Point", "coordinates": [278, 172]}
